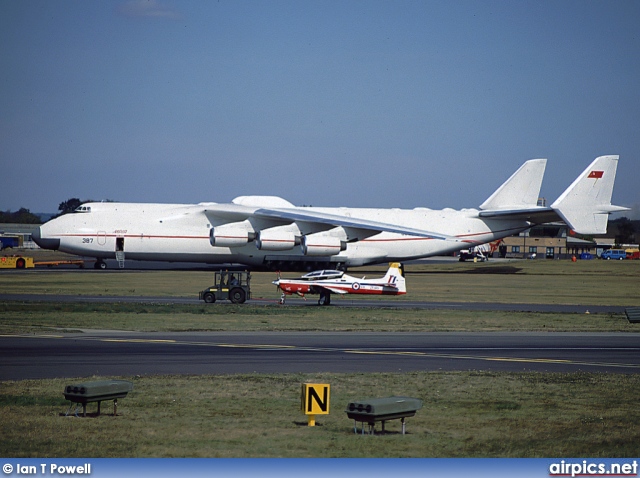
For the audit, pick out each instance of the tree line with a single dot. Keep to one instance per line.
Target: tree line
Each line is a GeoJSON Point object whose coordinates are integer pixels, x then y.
{"type": "Point", "coordinates": [21, 216]}
{"type": "Point", "coordinates": [24, 216]}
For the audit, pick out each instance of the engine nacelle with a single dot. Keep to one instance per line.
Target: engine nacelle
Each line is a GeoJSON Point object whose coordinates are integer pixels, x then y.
{"type": "Point", "coordinates": [319, 245]}
{"type": "Point", "coordinates": [223, 236]}
{"type": "Point", "coordinates": [276, 240]}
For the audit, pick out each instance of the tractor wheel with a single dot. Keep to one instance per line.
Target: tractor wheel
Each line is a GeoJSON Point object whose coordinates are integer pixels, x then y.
{"type": "Point", "coordinates": [237, 295]}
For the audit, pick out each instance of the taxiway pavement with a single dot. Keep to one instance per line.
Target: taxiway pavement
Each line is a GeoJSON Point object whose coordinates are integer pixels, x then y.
{"type": "Point", "coordinates": [109, 353]}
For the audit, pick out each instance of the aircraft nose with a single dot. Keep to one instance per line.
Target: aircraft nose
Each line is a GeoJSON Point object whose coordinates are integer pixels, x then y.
{"type": "Point", "coordinates": [45, 242]}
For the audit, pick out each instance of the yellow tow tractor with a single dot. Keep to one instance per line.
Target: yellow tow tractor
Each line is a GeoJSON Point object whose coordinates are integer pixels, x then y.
{"type": "Point", "coordinates": [16, 262]}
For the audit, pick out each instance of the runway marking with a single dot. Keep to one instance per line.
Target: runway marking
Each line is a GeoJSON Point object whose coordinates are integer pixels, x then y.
{"type": "Point", "coordinates": [495, 359]}
{"type": "Point", "coordinates": [256, 346]}
{"type": "Point", "coordinates": [43, 336]}
{"type": "Point", "coordinates": [140, 341]}
{"type": "Point", "coordinates": [515, 359]}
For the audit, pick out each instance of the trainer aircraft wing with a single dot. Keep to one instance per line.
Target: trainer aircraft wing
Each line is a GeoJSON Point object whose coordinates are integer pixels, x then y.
{"type": "Point", "coordinates": [333, 289]}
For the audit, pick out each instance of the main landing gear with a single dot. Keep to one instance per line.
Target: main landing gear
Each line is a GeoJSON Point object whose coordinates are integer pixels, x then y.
{"type": "Point", "coordinates": [325, 298]}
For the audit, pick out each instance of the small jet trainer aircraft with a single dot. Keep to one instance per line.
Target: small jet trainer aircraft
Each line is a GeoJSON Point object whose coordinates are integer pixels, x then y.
{"type": "Point", "coordinates": [267, 232]}
{"type": "Point", "coordinates": [326, 282]}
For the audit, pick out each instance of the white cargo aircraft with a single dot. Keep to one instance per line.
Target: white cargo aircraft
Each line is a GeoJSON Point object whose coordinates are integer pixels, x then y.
{"type": "Point", "coordinates": [270, 232]}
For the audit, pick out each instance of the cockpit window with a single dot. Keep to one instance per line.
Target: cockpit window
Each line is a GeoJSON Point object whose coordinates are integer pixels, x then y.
{"type": "Point", "coordinates": [324, 274]}
{"type": "Point", "coordinates": [83, 209]}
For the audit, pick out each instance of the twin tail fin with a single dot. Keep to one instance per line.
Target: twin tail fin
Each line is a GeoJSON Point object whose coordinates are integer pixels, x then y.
{"type": "Point", "coordinates": [584, 206]}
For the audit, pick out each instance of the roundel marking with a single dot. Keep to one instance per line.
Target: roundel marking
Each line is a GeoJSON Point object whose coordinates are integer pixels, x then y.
{"type": "Point", "coordinates": [355, 286]}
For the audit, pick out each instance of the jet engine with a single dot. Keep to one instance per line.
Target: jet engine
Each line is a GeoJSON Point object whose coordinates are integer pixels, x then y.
{"type": "Point", "coordinates": [322, 245]}
{"type": "Point", "coordinates": [230, 236]}
{"type": "Point", "coordinates": [271, 240]}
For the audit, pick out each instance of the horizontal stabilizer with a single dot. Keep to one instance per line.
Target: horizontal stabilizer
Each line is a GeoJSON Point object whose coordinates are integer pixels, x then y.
{"type": "Point", "coordinates": [534, 215]}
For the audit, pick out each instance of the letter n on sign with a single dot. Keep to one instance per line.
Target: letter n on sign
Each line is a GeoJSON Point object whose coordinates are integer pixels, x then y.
{"type": "Point", "coordinates": [315, 398]}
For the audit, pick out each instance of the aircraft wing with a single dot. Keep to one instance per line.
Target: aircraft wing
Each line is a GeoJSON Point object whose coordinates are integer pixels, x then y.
{"type": "Point", "coordinates": [334, 290]}
{"type": "Point", "coordinates": [282, 216]}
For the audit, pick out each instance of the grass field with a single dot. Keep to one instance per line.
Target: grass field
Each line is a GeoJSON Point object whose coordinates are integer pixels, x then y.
{"type": "Point", "coordinates": [465, 414]}
{"type": "Point", "coordinates": [594, 282]}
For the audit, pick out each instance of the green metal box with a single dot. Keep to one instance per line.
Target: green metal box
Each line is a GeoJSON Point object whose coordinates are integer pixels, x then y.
{"type": "Point", "coordinates": [633, 314]}
{"type": "Point", "coordinates": [97, 391]}
{"type": "Point", "coordinates": [372, 410]}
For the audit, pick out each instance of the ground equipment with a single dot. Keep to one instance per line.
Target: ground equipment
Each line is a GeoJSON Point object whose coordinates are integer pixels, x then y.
{"type": "Point", "coordinates": [229, 285]}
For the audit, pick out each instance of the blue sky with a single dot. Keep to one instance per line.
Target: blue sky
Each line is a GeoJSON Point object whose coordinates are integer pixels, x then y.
{"type": "Point", "coordinates": [325, 103]}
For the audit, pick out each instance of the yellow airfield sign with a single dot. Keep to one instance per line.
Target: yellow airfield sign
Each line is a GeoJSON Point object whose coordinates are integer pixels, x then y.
{"type": "Point", "coordinates": [315, 400]}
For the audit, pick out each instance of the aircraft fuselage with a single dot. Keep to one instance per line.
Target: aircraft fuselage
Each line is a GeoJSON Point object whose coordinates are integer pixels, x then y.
{"type": "Point", "coordinates": [270, 232]}
{"type": "Point", "coordinates": [181, 233]}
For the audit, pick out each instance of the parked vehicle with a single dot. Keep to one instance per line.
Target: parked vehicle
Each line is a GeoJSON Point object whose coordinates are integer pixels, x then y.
{"type": "Point", "coordinates": [229, 285]}
{"type": "Point", "coordinates": [7, 242]}
{"type": "Point", "coordinates": [614, 254]}
{"type": "Point", "coordinates": [16, 262]}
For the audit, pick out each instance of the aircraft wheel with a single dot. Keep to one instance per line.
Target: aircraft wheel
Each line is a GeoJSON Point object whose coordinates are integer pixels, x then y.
{"type": "Point", "coordinates": [325, 299]}
{"type": "Point", "coordinates": [209, 298]}
{"type": "Point", "coordinates": [100, 265]}
{"type": "Point", "coordinates": [237, 296]}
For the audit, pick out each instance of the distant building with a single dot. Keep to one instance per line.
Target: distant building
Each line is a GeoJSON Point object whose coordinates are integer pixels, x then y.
{"type": "Point", "coordinates": [22, 231]}
{"type": "Point", "coordinates": [546, 242]}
